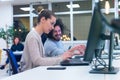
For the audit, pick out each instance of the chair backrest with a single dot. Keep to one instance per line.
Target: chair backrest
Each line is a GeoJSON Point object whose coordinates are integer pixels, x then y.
{"type": "Point", "coordinates": [12, 60]}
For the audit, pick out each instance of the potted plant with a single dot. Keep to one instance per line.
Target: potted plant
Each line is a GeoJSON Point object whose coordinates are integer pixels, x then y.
{"type": "Point", "coordinates": [7, 34]}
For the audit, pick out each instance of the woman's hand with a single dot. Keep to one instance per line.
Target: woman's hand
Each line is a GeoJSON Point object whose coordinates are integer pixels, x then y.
{"type": "Point", "coordinates": [66, 55]}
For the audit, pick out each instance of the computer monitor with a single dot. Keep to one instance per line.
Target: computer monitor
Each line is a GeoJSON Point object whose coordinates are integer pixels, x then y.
{"type": "Point", "coordinates": [96, 41]}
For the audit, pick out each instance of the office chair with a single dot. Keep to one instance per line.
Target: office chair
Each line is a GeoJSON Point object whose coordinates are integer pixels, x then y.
{"type": "Point", "coordinates": [12, 60]}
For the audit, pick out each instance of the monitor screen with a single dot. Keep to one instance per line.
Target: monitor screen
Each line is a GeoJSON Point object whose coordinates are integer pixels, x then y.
{"type": "Point", "coordinates": [95, 41]}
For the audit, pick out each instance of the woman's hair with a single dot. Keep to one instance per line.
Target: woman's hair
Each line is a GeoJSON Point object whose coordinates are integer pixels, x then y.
{"type": "Point", "coordinates": [58, 23]}
{"type": "Point", "coordinates": [44, 13]}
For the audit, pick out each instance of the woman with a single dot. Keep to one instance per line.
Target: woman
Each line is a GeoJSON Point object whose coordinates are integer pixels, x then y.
{"type": "Point", "coordinates": [17, 46]}
{"type": "Point", "coordinates": [33, 54]}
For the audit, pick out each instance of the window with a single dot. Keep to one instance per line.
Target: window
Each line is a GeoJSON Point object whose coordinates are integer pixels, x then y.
{"type": "Point", "coordinates": [21, 27]}
{"type": "Point", "coordinates": [60, 7]}
{"type": "Point", "coordinates": [17, 9]}
{"type": "Point", "coordinates": [111, 2]}
{"type": "Point", "coordinates": [81, 25]}
{"type": "Point", "coordinates": [66, 22]}
{"type": "Point", "coordinates": [84, 5]}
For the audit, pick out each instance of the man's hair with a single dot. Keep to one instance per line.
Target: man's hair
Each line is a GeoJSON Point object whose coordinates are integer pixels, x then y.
{"type": "Point", "coordinates": [58, 23]}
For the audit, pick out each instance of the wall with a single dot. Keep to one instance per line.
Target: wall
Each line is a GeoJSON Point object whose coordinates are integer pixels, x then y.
{"type": "Point", "coordinates": [6, 18]}
{"type": "Point", "coordinates": [6, 14]}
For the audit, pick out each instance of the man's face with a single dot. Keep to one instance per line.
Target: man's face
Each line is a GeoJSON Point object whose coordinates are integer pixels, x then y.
{"type": "Point", "coordinates": [57, 33]}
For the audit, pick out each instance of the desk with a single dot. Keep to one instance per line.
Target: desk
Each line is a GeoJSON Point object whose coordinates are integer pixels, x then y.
{"type": "Point", "coordinates": [18, 52]}
{"type": "Point", "coordinates": [18, 55]}
{"type": "Point", "coordinates": [70, 73]}
{"type": "Point", "coordinates": [116, 63]}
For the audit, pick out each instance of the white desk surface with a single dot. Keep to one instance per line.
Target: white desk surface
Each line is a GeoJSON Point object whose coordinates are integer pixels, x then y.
{"type": "Point", "coordinates": [70, 73]}
{"type": "Point", "coordinates": [116, 63]}
{"type": "Point", "coordinates": [18, 52]}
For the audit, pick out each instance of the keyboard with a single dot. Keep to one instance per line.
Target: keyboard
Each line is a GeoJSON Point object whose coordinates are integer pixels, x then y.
{"type": "Point", "coordinates": [74, 62]}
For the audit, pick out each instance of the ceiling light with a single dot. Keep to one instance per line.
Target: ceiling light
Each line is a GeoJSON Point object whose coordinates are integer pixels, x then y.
{"type": "Point", "coordinates": [73, 5]}
{"type": "Point", "coordinates": [107, 7]}
{"type": "Point", "coordinates": [119, 3]}
{"type": "Point", "coordinates": [6, 0]}
{"type": "Point", "coordinates": [26, 9]}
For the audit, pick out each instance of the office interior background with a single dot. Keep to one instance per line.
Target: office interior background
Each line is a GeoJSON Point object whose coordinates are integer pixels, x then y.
{"type": "Point", "coordinates": [77, 19]}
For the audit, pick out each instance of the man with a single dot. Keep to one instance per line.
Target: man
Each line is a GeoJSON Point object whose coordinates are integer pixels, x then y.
{"type": "Point", "coordinates": [53, 45]}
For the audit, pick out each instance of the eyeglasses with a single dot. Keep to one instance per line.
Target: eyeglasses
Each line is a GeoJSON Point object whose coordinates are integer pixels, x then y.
{"type": "Point", "coordinates": [52, 23]}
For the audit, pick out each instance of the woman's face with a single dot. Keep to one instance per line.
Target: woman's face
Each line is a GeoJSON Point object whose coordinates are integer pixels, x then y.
{"type": "Point", "coordinates": [49, 24]}
{"type": "Point", "coordinates": [16, 40]}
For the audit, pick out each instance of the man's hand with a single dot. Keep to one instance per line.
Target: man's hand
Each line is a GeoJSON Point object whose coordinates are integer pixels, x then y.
{"type": "Point", "coordinates": [78, 49]}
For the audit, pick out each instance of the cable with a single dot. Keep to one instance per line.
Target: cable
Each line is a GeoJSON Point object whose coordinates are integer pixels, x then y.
{"type": "Point", "coordinates": [98, 63]}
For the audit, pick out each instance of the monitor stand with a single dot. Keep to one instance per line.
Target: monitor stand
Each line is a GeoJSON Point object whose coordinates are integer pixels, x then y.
{"type": "Point", "coordinates": [108, 69]}
{"type": "Point", "coordinates": [105, 70]}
